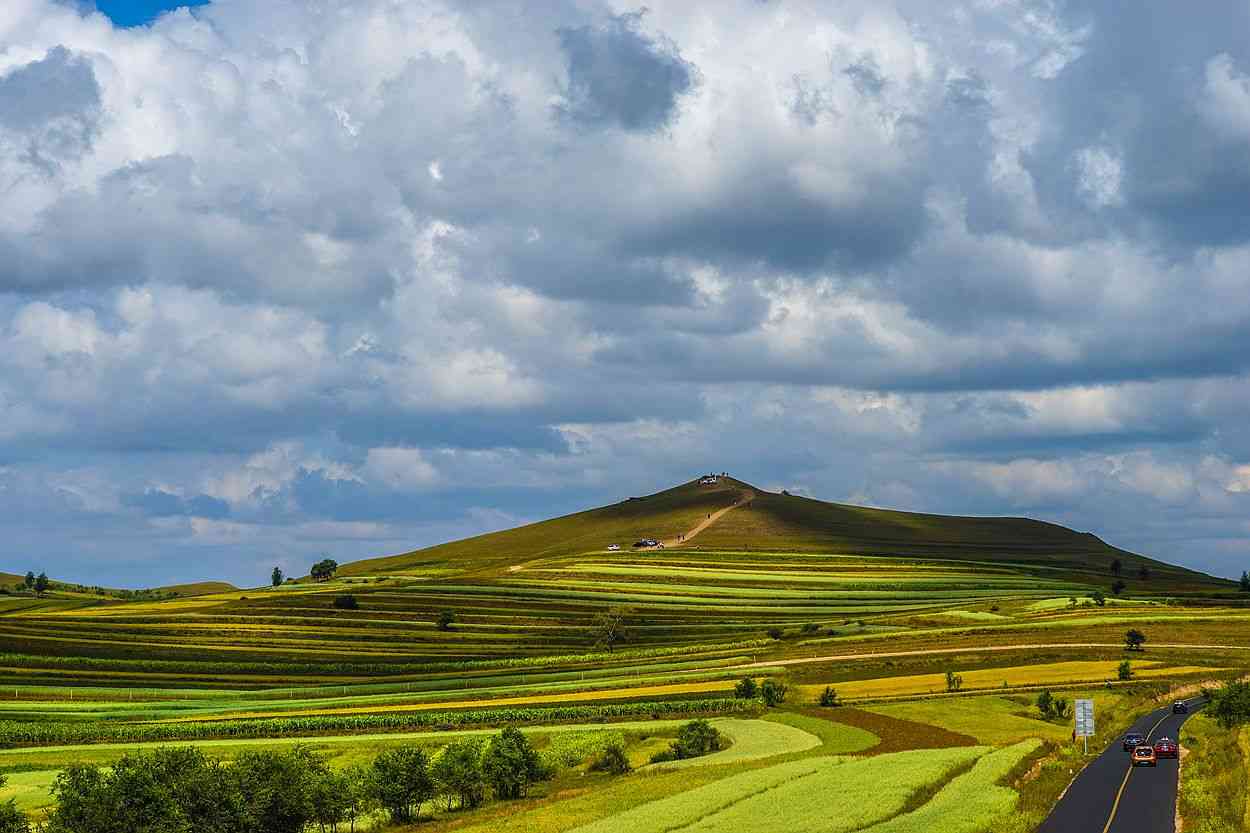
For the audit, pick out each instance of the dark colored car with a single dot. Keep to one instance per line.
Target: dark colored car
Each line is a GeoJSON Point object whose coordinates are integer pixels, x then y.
{"type": "Point", "coordinates": [1133, 740]}
{"type": "Point", "coordinates": [1145, 756]}
{"type": "Point", "coordinates": [1180, 707]}
{"type": "Point", "coordinates": [1167, 748]}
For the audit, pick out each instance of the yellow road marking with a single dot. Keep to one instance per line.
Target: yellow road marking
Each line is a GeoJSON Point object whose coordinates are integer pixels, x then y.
{"type": "Point", "coordinates": [1116, 805]}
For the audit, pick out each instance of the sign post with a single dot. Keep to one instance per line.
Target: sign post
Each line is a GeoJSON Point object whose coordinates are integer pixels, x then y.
{"type": "Point", "coordinates": [1085, 721]}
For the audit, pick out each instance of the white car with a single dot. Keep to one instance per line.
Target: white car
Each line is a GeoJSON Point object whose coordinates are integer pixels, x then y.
{"type": "Point", "coordinates": [613, 547]}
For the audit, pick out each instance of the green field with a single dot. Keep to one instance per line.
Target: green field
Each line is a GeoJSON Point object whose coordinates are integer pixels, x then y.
{"type": "Point", "coordinates": [877, 605]}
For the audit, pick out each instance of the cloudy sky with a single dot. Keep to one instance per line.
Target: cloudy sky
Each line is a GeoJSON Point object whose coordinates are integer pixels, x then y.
{"type": "Point", "coordinates": [284, 277]}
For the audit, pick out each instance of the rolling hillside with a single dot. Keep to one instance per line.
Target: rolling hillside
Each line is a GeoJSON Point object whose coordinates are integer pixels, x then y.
{"type": "Point", "coordinates": [782, 523]}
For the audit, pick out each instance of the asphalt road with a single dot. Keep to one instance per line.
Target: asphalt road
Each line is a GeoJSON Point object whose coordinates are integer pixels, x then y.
{"type": "Point", "coordinates": [1111, 796]}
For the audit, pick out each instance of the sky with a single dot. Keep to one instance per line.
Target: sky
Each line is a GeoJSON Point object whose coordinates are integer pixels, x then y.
{"type": "Point", "coordinates": [283, 278]}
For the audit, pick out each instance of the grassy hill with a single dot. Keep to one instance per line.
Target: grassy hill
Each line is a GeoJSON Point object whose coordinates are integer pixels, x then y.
{"type": "Point", "coordinates": [782, 523]}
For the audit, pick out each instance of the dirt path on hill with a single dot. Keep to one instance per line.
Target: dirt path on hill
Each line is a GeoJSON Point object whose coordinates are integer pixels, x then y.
{"type": "Point", "coordinates": [744, 497]}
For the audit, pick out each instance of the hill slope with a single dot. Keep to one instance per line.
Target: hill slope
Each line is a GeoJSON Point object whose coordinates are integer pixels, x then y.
{"type": "Point", "coordinates": [778, 522]}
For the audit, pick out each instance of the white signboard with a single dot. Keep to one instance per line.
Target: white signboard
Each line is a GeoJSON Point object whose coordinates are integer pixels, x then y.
{"type": "Point", "coordinates": [1084, 718]}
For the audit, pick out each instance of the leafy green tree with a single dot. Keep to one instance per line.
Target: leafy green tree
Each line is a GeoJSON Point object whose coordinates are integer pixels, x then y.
{"type": "Point", "coordinates": [458, 773]}
{"type": "Point", "coordinates": [275, 578]}
{"type": "Point", "coordinates": [610, 628]}
{"type": "Point", "coordinates": [324, 569]}
{"type": "Point", "coordinates": [1230, 705]}
{"type": "Point", "coordinates": [445, 620]}
{"type": "Point", "coordinates": [1245, 581]}
{"type": "Point", "coordinates": [280, 788]}
{"type": "Point", "coordinates": [1117, 587]}
{"type": "Point", "coordinates": [510, 765]}
{"type": "Point", "coordinates": [1134, 639]}
{"type": "Point", "coordinates": [829, 697]}
{"type": "Point", "coordinates": [12, 820]}
{"type": "Point", "coordinates": [775, 632]}
{"type": "Point", "coordinates": [694, 740]}
{"type": "Point", "coordinates": [1116, 567]}
{"type": "Point", "coordinates": [1045, 703]}
{"type": "Point", "coordinates": [1124, 671]}
{"type": "Point", "coordinates": [41, 584]}
{"type": "Point", "coordinates": [612, 759]}
{"type": "Point", "coordinates": [330, 795]}
{"type": "Point", "coordinates": [346, 602]}
{"type": "Point", "coordinates": [773, 692]}
{"type": "Point", "coordinates": [954, 681]}
{"type": "Point", "coordinates": [1098, 598]}
{"type": "Point", "coordinates": [401, 782]}
{"type": "Point", "coordinates": [30, 579]}
{"type": "Point", "coordinates": [745, 689]}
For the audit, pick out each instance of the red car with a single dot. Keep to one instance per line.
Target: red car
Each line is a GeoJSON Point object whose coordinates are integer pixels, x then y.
{"type": "Point", "coordinates": [1145, 756]}
{"type": "Point", "coordinates": [1167, 748]}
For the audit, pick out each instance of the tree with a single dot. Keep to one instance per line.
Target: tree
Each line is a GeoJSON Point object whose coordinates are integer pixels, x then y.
{"type": "Point", "coordinates": [610, 628]}
{"type": "Point", "coordinates": [775, 632]}
{"type": "Point", "coordinates": [280, 788]}
{"type": "Point", "coordinates": [1124, 671]}
{"type": "Point", "coordinates": [829, 697]}
{"type": "Point", "coordinates": [30, 580]}
{"type": "Point", "coordinates": [346, 602]}
{"type": "Point", "coordinates": [401, 782]}
{"type": "Point", "coordinates": [612, 759]}
{"type": "Point", "coordinates": [331, 797]}
{"type": "Point", "coordinates": [275, 578]}
{"type": "Point", "coordinates": [445, 620]}
{"type": "Point", "coordinates": [773, 692]}
{"type": "Point", "coordinates": [1116, 567]}
{"type": "Point", "coordinates": [745, 689]}
{"type": "Point", "coordinates": [1117, 587]}
{"type": "Point", "coordinates": [1134, 639]}
{"type": "Point", "coordinates": [458, 773]}
{"type": "Point", "coordinates": [12, 820]}
{"type": "Point", "coordinates": [1099, 598]}
{"type": "Point", "coordinates": [41, 584]}
{"type": "Point", "coordinates": [810, 628]}
{"type": "Point", "coordinates": [694, 740]}
{"type": "Point", "coordinates": [1230, 705]}
{"type": "Point", "coordinates": [510, 764]}
{"type": "Point", "coordinates": [324, 569]}
{"type": "Point", "coordinates": [954, 681]}
{"type": "Point", "coordinates": [1245, 581]}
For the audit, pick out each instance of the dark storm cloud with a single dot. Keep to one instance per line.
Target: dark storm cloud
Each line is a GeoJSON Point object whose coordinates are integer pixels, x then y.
{"type": "Point", "coordinates": [619, 76]}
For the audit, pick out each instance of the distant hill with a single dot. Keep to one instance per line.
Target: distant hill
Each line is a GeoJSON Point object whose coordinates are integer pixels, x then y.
{"type": "Point", "coordinates": [780, 522]}
{"type": "Point", "coordinates": [198, 588]}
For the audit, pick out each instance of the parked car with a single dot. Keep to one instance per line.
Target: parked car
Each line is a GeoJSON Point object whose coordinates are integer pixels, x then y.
{"type": "Point", "coordinates": [1167, 748]}
{"type": "Point", "coordinates": [1133, 740]}
{"type": "Point", "coordinates": [613, 547]}
{"type": "Point", "coordinates": [646, 542]}
{"type": "Point", "coordinates": [1180, 707]}
{"type": "Point", "coordinates": [1145, 756]}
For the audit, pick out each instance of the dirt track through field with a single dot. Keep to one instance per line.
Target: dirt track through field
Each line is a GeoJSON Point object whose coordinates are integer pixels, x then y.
{"type": "Point", "coordinates": [744, 497]}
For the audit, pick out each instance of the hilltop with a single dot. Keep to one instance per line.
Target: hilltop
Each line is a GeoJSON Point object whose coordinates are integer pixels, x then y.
{"type": "Point", "coordinates": [745, 518]}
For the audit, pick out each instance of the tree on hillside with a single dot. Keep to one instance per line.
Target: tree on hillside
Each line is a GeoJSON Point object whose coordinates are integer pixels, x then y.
{"type": "Point", "coordinates": [1134, 639]}
{"type": "Point", "coordinates": [275, 578]}
{"type": "Point", "coordinates": [1125, 670]}
{"type": "Point", "coordinates": [1245, 581]}
{"type": "Point", "coordinates": [445, 620]}
{"type": "Point", "coordinates": [458, 773]}
{"type": "Point", "coordinates": [1117, 587]}
{"type": "Point", "coordinates": [41, 584]}
{"type": "Point", "coordinates": [510, 764]}
{"type": "Point", "coordinates": [402, 782]}
{"type": "Point", "coordinates": [324, 569]}
{"type": "Point", "coordinates": [1098, 598]}
{"type": "Point", "coordinates": [1116, 567]}
{"type": "Point", "coordinates": [954, 681]}
{"type": "Point", "coordinates": [1230, 705]}
{"type": "Point", "coordinates": [1143, 572]}
{"type": "Point", "coordinates": [30, 580]}
{"type": "Point", "coordinates": [610, 628]}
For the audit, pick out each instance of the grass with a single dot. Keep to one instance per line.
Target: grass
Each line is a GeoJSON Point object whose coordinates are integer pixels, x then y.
{"type": "Point", "coordinates": [1214, 792]}
{"type": "Point", "coordinates": [752, 740]}
{"type": "Point", "coordinates": [990, 720]}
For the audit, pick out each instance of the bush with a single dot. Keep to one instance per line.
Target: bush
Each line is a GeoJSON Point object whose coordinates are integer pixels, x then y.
{"type": "Point", "coordinates": [810, 628]}
{"type": "Point", "coordinates": [445, 620]}
{"type": "Point", "coordinates": [954, 681]}
{"type": "Point", "coordinates": [1124, 671]}
{"type": "Point", "coordinates": [1134, 639]}
{"type": "Point", "coordinates": [694, 740]}
{"type": "Point", "coordinates": [612, 760]}
{"type": "Point", "coordinates": [829, 697]}
{"type": "Point", "coordinates": [510, 765]}
{"type": "Point", "coordinates": [775, 632]}
{"type": "Point", "coordinates": [346, 602]}
{"type": "Point", "coordinates": [458, 773]}
{"type": "Point", "coordinates": [1098, 598]}
{"type": "Point", "coordinates": [12, 820]}
{"type": "Point", "coordinates": [773, 692]}
{"type": "Point", "coordinates": [1230, 705]}
{"type": "Point", "coordinates": [746, 689]}
{"type": "Point", "coordinates": [1053, 708]}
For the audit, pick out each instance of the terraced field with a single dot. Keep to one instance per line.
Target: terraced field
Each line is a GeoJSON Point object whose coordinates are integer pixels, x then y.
{"type": "Point", "coordinates": [878, 605]}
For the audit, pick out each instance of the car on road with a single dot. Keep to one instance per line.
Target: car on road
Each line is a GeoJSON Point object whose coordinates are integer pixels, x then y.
{"type": "Point", "coordinates": [613, 547]}
{"type": "Point", "coordinates": [646, 542]}
{"type": "Point", "coordinates": [1180, 707]}
{"type": "Point", "coordinates": [1145, 756]}
{"type": "Point", "coordinates": [1133, 740]}
{"type": "Point", "coordinates": [1167, 748]}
